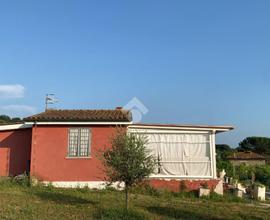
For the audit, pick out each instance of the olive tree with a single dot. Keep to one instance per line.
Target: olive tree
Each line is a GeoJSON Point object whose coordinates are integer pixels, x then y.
{"type": "Point", "coordinates": [127, 160]}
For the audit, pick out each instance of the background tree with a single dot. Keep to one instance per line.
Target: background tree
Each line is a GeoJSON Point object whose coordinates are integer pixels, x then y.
{"type": "Point", "coordinates": [128, 160]}
{"type": "Point", "coordinates": [222, 152]}
{"type": "Point", "coordinates": [246, 174]}
{"type": "Point", "coordinates": [259, 145]}
{"type": "Point", "coordinates": [6, 119]}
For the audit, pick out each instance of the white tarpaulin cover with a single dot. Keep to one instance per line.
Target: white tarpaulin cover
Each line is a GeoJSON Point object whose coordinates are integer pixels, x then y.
{"type": "Point", "coordinates": [181, 154]}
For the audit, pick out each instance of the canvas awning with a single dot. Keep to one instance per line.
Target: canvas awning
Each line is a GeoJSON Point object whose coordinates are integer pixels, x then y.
{"type": "Point", "coordinates": [182, 151]}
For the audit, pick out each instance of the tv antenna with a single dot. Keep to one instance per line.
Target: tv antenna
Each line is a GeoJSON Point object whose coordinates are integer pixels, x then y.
{"type": "Point", "coordinates": [49, 100]}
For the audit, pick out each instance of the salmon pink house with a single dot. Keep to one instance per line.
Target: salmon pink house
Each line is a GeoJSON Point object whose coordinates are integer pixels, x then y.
{"type": "Point", "coordinates": [61, 147]}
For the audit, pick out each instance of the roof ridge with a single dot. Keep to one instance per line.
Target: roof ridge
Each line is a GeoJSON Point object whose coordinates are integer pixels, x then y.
{"type": "Point", "coordinates": [94, 115]}
{"type": "Point", "coordinates": [86, 110]}
{"type": "Point", "coordinates": [245, 155]}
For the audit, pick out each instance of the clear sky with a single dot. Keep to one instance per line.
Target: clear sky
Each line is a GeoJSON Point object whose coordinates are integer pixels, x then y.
{"type": "Point", "coordinates": [194, 62]}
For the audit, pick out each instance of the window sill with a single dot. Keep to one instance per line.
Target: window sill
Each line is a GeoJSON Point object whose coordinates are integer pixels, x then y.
{"type": "Point", "coordinates": [79, 157]}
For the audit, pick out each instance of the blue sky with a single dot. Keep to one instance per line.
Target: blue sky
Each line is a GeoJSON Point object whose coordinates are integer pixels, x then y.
{"type": "Point", "coordinates": [195, 62]}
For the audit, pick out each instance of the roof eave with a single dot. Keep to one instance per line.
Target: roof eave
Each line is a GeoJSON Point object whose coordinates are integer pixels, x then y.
{"type": "Point", "coordinates": [14, 126]}
{"type": "Point", "coordinates": [79, 122]}
{"type": "Point", "coordinates": [217, 129]}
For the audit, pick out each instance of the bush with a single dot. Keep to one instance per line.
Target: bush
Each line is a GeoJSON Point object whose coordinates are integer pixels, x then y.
{"type": "Point", "coordinates": [22, 180]}
{"type": "Point", "coordinates": [244, 172]}
{"type": "Point", "coordinates": [145, 189]}
{"type": "Point", "coordinates": [226, 165]}
{"type": "Point", "coordinates": [262, 175]}
{"type": "Point", "coordinates": [110, 188]}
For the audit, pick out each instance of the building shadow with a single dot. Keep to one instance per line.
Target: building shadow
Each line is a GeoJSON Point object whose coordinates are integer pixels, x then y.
{"type": "Point", "coordinates": [177, 213]}
{"type": "Point", "coordinates": [62, 198]}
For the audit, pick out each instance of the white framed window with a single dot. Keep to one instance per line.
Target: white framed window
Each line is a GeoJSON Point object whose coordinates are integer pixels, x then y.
{"type": "Point", "coordinates": [79, 142]}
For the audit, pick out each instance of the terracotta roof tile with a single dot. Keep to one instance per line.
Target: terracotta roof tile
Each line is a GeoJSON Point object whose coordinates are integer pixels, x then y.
{"type": "Point", "coordinates": [117, 115]}
{"type": "Point", "coordinates": [245, 155]}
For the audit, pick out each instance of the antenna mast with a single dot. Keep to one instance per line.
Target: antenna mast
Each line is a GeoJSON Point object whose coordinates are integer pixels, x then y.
{"type": "Point", "coordinates": [50, 99]}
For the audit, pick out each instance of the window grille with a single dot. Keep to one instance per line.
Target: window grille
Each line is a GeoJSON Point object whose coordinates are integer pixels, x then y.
{"type": "Point", "coordinates": [79, 142]}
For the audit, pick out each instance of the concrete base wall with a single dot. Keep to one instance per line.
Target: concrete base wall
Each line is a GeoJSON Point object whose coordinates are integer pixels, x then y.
{"type": "Point", "coordinates": [185, 185]}
{"type": "Point", "coordinates": [82, 184]}
{"type": "Point", "coordinates": [170, 185]}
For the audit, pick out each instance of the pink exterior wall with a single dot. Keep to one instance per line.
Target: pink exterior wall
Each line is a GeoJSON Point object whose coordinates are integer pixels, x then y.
{"type": "Point", "coordinates": [50, 150]}
{"type": "Point", "coordinates": [50, 162]}
{"type": "Point", "coordinates": [15, 152]}
{"type": "Point", "coordinates": [178, 185]}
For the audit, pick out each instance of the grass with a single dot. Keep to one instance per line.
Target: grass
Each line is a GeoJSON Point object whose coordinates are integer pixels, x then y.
{"type": "Point", "coordinates": [24, 202]}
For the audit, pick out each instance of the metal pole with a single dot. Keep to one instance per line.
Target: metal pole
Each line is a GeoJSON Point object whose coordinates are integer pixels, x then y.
{"type": "Point", "coordinates": [46, 102]}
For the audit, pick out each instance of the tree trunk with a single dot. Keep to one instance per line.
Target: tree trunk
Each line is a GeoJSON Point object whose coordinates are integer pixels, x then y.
{"type": "Point", "coordinates": [126, 192]}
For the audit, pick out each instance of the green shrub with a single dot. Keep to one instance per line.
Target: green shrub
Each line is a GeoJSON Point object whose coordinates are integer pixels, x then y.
{"type": "Point", "coordinates": [145, 189]}
{"type": "Point", "coordinates": [110, 188]}
{"type": "Point", "coordinates": [22, 180]}
{"type": "Point", "coordinates": [262, 175]}
{"type": "Point", "coordinates": [226, 165]}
